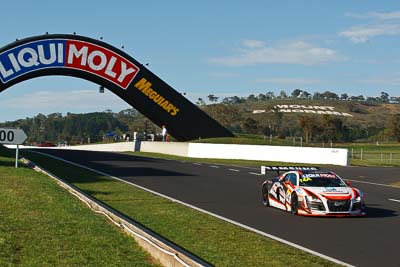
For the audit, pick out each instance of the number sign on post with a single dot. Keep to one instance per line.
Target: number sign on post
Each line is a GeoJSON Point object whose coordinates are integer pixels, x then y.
{"type": "Point", "coordinates": [12, 136]}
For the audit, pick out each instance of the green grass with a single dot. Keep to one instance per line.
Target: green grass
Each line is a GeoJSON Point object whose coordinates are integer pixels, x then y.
{"type": "Point", "coordinates": [43, 225]}
{"type": "Point", "coordinates": [214, 240]}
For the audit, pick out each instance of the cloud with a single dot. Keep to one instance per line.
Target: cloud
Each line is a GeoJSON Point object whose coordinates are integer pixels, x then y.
{"type": "Point", "coordinates": [376, 15]}
{"type": "Point", "coordinates": [253, 52]}
{"type": "Point", "coordinates": [361, 34]}
{"type": "Point", "coordinates": [288, 81]}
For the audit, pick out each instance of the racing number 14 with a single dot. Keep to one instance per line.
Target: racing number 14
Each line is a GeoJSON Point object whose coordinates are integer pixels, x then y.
{"type": "Point", "coordinates": [305, 179]}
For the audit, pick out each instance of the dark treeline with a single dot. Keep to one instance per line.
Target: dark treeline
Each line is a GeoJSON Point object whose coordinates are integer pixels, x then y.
{"type": "Point", "coordinates": [300, 94]}
{"type": "Point", "coordinates": [81, 128]}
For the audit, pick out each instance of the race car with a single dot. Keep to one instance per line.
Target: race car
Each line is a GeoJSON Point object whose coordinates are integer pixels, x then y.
{"type": "Point", "coordinates": [310, 191]}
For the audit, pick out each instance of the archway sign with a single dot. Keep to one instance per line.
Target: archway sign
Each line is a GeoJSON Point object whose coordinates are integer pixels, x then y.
{"type": "Point", "coordinates": [108, 66]}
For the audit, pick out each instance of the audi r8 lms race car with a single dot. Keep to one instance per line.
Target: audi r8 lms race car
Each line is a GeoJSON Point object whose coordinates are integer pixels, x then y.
{"type": "Point", "coordinates": [312, 192]}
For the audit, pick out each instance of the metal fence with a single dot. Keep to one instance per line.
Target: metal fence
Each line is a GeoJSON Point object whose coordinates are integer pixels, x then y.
{"type": "Point", "coordinates": [384, 157]}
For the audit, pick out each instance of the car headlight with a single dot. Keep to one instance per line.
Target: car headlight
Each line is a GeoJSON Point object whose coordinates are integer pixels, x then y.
{"type": "Point", "coordinates": [313, 199]}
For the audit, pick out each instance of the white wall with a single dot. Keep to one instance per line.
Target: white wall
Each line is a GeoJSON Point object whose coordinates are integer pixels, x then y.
{"type": "Point", "coordinates": [171, 148]}
{"type": "Point", "coordinates": [113, 147]}
{"type": "Point", "coordinates": [311, 155]}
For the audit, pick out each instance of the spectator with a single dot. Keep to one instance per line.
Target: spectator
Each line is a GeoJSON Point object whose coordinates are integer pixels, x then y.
{"type": "Point", "coordinates": [164, 133]}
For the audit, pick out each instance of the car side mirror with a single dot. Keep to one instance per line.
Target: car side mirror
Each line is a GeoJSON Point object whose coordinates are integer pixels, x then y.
{"type": "Point", "coordinates": [347, 183]}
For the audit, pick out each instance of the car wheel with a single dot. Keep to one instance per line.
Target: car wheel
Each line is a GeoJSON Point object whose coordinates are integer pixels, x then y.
{"type": "Point", "coordinates": [294, 203]}
{"type": "Point", "coordinates": [264, 194]}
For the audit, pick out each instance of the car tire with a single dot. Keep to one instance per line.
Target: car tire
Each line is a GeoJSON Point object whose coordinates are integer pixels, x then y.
{"type": "Point", "coordinates": [264, 194]}
{"type": "Point", "coordinates": [294, 203]}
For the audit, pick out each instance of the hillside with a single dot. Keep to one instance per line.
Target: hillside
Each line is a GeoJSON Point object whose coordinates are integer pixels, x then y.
{"type": "Point", "coordinates": [315, 120]}
{"type": "Point", "coordinates": [312, 120]}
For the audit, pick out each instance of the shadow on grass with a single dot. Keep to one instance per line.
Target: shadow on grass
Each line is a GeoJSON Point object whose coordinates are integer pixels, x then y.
{"type": "Point", "coordinates": [5, 163]}
{"type": "Point", "coordinates": [95, 156]}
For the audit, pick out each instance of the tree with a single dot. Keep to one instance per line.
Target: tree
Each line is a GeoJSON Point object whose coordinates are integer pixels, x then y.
{"type": "Point", "coordinates": [237, 100]}
{"type": "Point", "coordinates": [212, 98]}
{"type": "Point", "coordinates": [309, 125]}
{"type": "Point", "coordinates": [331, 128]}
{"type": "Point", "coordinates": [344, 96]}
{"type": "Point", "coordinates": [251, 98]}
{"type": "Point", "coordinates": [394, 127]}
{"type": "Point", "coordinates": [262, 97]}
{"type": "Point", "coordinates": [329, 95]}
{"type": "Point", "coordinates": [317, 95]}
{"type": "Point", "coordinates": [227, 100]}
{"type": "Point", "coordinates": [283, 94]}
{"type": "Point", "coordinates": [296, 93]}
{"type": "Point", "coordinates": [384, 98]}
{"type": "Point", "coordinates": [250, 126]}
{"type": "Point", "coordinates": [304, 94]}
{"type": "Point", "coordinates": [200, 102]}
{"type": "Point", "coordinates": [270, 95]}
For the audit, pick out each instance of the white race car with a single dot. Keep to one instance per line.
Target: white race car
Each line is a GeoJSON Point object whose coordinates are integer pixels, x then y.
{"type": "Point", "coordinates": [311, 192]}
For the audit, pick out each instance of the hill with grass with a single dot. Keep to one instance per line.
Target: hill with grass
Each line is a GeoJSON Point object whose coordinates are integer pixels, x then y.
{"type": "Point", "coordinates": [313, 119]}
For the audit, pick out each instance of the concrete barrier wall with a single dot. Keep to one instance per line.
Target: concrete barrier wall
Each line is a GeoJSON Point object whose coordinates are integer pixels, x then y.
{"type": "Point", "coordinates": [171, 148]}
{"type": "Point", "coordinates": [113, 147]}
{"type": "Point", "coordinates": [310, 155]}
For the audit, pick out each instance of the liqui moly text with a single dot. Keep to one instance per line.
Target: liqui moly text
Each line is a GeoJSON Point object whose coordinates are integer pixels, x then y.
{"type": "Point", "coordinates": [66, 53]}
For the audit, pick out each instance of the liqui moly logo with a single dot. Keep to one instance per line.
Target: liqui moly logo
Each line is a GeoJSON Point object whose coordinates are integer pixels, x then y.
{"type": "Point", "coordinates": [65, 53]}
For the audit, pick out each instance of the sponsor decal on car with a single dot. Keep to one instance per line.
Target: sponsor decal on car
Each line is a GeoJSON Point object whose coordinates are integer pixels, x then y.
{"type": "Point", "coordinates": [318, 175]}
{"type": "Point", "coordinates": [66, 53]}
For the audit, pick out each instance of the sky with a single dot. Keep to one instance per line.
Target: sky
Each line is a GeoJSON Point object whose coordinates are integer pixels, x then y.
{"type": "Point", "coordinates": [224, 48]}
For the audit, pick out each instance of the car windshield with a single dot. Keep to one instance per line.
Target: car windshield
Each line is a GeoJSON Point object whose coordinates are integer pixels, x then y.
{"type": "Point", "coordinates": [321, 180]}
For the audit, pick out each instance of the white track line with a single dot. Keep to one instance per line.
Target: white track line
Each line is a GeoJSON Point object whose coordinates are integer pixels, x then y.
{"type": "Point", "coordinates": [255, 173]}
{"type": "Point", "coordinates": [364, 182]}
{"type": "Point", "coordinates": [195, 163]}
{"type": "Point", "coordinates": [213, 166]}
{"type": "Point", "coordinates": [286, 242]}
{"type": "Point", "coordinates": [395, 200]}
{"type": "Point", "coordinates": [233, 170]}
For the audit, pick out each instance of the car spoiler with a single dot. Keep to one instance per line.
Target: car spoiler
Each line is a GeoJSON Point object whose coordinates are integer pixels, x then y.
{"type": "Point", "coordinates": [279, 169]}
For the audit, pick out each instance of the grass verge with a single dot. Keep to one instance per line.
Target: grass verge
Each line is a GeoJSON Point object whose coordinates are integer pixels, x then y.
{"type": "Point", "coordinates": [43, 225]}
{"type": "Point", "coordinates": [214, 240]}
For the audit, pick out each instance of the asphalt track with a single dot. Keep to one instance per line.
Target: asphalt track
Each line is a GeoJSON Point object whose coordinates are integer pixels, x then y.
{"type": "Point", "coordinates": [234, 192]}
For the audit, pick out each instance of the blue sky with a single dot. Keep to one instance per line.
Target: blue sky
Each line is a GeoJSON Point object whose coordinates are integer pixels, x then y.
{"type": "Point", "coordinates": [224, 48]}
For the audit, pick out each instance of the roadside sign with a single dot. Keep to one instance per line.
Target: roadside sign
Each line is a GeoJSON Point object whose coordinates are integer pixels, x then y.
{"type": "Point", "coordinates": [12, 136]}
